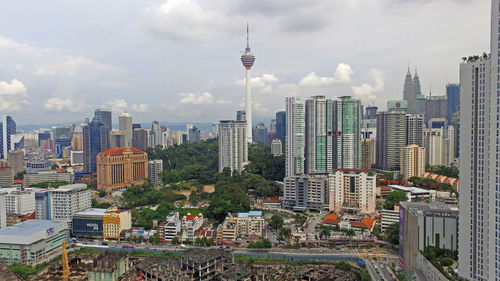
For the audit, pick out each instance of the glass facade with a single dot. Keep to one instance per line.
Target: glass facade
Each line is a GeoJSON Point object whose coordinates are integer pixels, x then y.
{"type": "Point", "coordinates": [87, 227]}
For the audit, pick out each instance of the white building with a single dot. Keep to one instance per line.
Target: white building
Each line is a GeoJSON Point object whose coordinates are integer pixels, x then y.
{"type": "Point", "coordinates": [68, 200]}
{"type": "Point", "coordinates": [352, 191]}
{"type": "Point", "coordinates": [76, 158]}
{"type": "Point", "coordinates": [435, 146]}
{"type": "Point", "coordinates": [20, 202]}
{"type": "Point", "coordinates": [276, 147]}
{"type": "Point", "coordinates": [3, 211]}
{"type": "Point", "coordinates": [155, 167]}
{"type": "Point", "coordinates": [412, 161]}
{"type": "Point", "coordinates": [250, 225]}
{"type": "Point", "coordinates": [413, 193]}
{"type": "Point", "coordinates": [389, 217]}
{"type": "Point", "coordinates": [47, 176]}
{"type": "Point", "coordinates": [479, 224]}
{"type": "Point", "coordinates": [233, 145]}
{"type": "Point", "coordinates": [125, 124]}
{"type": "Point", "coordinates": [306, 192]}
{"type": "Point", "coordinates": [294, 137]}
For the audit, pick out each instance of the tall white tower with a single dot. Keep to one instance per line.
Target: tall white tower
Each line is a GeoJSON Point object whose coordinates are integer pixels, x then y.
{"type": "Point", "coordinates": [125, 124]}
{"type": "Point", "coordinates": [248, 59]}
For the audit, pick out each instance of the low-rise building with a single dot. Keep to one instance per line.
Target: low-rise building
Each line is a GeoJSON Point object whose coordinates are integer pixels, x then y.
{"type": "Point", "coordinates": [169, 229]}
{"type": "Point", "coordinates": [250, 225]}
{"type": "Point", "coordinates": [413, 193]}
{"type": "Point", "coordinates": [352, 191]}
{"type": "Point", "coordinates": [6, 176]}
{"type": "Point", "coordinates": [68, 200]}
{"type": "Point", "coordinates": [114, 221]}
{"type": "Point", "coordinates": [306, 192]}
{"type": "Point", "coordinates": [34, 166]}
{"type": "Point", "coordinates": [229, 231]}
{"type": "Point", "coordinates": [31, 242]}
{"type": "Point", "coordinates": [47, 176]}
{"type": "Point", "coordinates": [119, 168]}
{"type": "Point", "coordinates": [108, 267]}
{"type": "Point", "coordinates": [389, 217]}
{"type": "Point", "coordinates": [88, 223]}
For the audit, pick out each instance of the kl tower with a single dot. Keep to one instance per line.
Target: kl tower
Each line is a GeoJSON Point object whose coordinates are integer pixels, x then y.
{"type": "Point", "coordinates": [247, 59]}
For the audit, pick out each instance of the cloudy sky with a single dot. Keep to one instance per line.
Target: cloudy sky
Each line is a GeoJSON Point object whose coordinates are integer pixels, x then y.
{"type": "Point", "coordinates": [178, 60]}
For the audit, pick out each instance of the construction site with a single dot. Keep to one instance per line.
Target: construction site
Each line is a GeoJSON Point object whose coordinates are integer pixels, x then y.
{"type": "Point", "coordinates": [193, 264]}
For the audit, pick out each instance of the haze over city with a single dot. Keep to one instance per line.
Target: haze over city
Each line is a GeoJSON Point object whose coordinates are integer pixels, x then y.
{"type": "Point", "coordinates": [178, 60]}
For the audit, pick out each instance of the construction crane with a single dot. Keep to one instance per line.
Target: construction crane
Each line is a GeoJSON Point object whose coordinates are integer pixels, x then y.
{"type": "Point", "coordinates": [65, 265]}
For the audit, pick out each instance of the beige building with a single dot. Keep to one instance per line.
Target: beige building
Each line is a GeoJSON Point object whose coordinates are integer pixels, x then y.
{"type": "Point", "coordinates": [6, 176]}
{"type": "Point", "coordinates": [352, 191]}
{"type": "Point", "coordinates": [412, 161]}
{"type": "Point", "coordinates": [121, 168]}
{"type": "Point", "coordinates": [117, 139]}
{"type": "Point", "coordinates": [77, 140]}
{"type": "Point", "coordinates": [366, 153]}
{"type": "Point", "coordinates": [114, 221]}
{"type": "Point", "coordinates": [250, 225]}
{"type": "Point", "coordinates": [16, 161]}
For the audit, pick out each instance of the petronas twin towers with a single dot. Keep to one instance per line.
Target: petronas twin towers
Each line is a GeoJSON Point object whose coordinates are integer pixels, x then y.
{"type": "Point", "coordinates": [413, 94]}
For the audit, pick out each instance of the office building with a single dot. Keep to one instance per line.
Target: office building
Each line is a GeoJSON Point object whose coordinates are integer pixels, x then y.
{"type": "Point", "coordinates": [306, 192]}
{"type": "Point", "coordinates": [76, 157]}
{"type": "Point", "coordinates": [117, 139]}
{"type": "Point", "coordinates": [425, 225]}
{"type": "Point", "coordinates": [114, 222]}
{"type": "Point", "coordinates": [436, 107]}
{"type": "Point", "coordinates": [248, 59]}
{"type": "Point", "coordinates": [155, 134]}
{"type": "Point", "coordinates": [194, 134]}
{"type": "Point", "coordinates": [233, 145]}
{"type": "Point", "coordinates": [260, 133]}
{"type": "Point", "coordinates": [272, 126]}
{"type": "Point", "coordinates": [281, 126]}
{"type": "Point", "coordinates": [347, 124]}
{"type": "Point", "coordinates": [371, 112]}
{"type": "Point", "coordinates": [68, 200]}
{"type": "Point", "coordinates": [397, 106]}
{"type": "Point", "coordinates": [412, 93]}
{"type": "Point", "coordinates": [44, 140]}
{"type": "Point", "coordinates": [42, 203]}
{"type": "Point", "coordinates": [62, 140]}
{"type": "Point", "coordinates": [453, 101]}
{"type": "Point", "coordinates": [276, 147]}
{"type": "Point", "coordinates": [367, 150]}
{"type": "Point", "coordinates": [77, 140]}
{"type": "Point", "coordinates": [295, 133]}
{"type": "Point", "coordinates": [88, 223]}
{"type": "Point", "coordinates": [6, 176]}
{"type": "Point", "coordinates": [412, 161]}
{"type": "Point", "coordinates": [125, 124]}
{"type": "Point", "coordinates": [415, 129]}
{"type": "Point", "coordinates": [241, 115]}
{"type": "Point", "coordinates": [155, 167]}
{"type": "Point", "coordinates": [31, 242]}
{"type": "Point", "coordinates": [36, 165]}
{"type": "Point", "coordinates": [318, 134]}
{"type": "Point", "coordinates": [119, 168]}
{"type": "Point", "coordinates": [19, 202]}
{"type": "Point", "coordinates": [352, 191]}
{"type": "Point", "coordinates": [140, 140]}
{"type": "Point", "coordinates": [105, 115]}
{"type": "Point", "coordinates": [47, 176]}
{"type": "Point", "coordinates": [391, 137]}
{"type": "Point", "coordinates": [95, 140]}
{"type": "Point", "coordinates": [16, 161]}
{"type": "Point", "coordinates": [479, 227]}
{"type": "Point", "coordinates": [7, 129]}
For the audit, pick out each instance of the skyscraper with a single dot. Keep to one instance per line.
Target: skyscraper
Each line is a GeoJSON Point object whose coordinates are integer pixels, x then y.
{"type": "Point", "coordinates": [260, 133]}
{"type": "Point", "coordinates": [248, 59]}
{"type": "Point", "coordinates": [294, 136]}
{"type": "Point", "coordinates": [7, 129]}
{"type": "Point", "coordinates": [391, 137]}
{"type": "Point", "coordinates": [436, 107]}
{"type": "Point", "coordinates": [155, 134]}
{"type": "Point", "coordinates": [371, 112]}
{"type": "Point", "coordinates": [95, 140]}
{"type": "Point", "coordinates": [140, 138]}
{"type": "Point", "coordinates": [479, 212]}
{"type": "Point", "coordinates": [125, 124]}
{"type": "Point", "coordinates": [233, 145]}
{"type": "Point", "coordinates": [241, 115]}
{"type": "Point", "coordinates": [453, 100]}
{"type": "Point", "coordinates": [347, 124]}
{"type": "Point", "coordinates": [281, 126]}
{"type": "Point", "coordinates": [412, 161]}
{"type": "Point", "coordinates": [106, 118]}
{"type": "Point", "coordinates": [194, 134]}
{"type": "Point", "coordinates": [318, 134]}
{"type": "Point", "coordinates": [413, 94]}
{"type": "Point", "coordinates": [415, 129]}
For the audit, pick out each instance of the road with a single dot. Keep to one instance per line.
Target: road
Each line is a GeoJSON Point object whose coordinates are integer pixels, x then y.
{"type": "Point", "coordinates": [314, 220]}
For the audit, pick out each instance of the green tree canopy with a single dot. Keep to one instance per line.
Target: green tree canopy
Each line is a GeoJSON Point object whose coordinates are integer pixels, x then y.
{"type": "Point", "coordinates": [394, 197]}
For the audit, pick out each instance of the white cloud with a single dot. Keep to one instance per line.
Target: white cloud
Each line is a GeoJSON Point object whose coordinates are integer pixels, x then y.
{"type": "Point", "coordinates": [140, 107]}
{"type": "Point", "coordinates": [197, 99]}
{"type": "Point", "coordinates": [366, 92]}
{"type": "Point", "coordinates": [264, 81]}
{"type": "Point", "coordinates": [12, 95]}
{"type": "Point", "coordinates": [342, 74]}
{"type": "Point", "coordinates": [67, 104]}
{"type": "Point", "coordinates": [71, 66]}
{"type": "Point", "coordinates": [117, 105]}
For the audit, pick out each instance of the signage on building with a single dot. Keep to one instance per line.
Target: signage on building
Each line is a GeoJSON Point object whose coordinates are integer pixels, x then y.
{"type": "Point", "coordinates": [50, 231]}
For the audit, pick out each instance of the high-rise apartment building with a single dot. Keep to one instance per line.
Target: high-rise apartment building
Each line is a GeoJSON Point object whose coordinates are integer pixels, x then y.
{"type": "Point", "coordinates": [233, 145]}
{"type": "Point", "coordinates": [434, 143]}
{"type": "Point", "coordinates": [366, 153]}
{"type": "Point", "coordinates": [352, 191]}
{"type": "Point", "coordinates": [119, 168]}
{"type": "Point", "coordinates": [95, 140]}
{"type": "Point", "coordinates": [77, 140]}
{"type": "Point", "coordinates": [125, 124]}
{"type": "Point", "coordinates": [105, 115]}
{"type": "Point", "coordinates": [415, 129]}
{"type": "Point", "coordinates": [294, 136]}
{"type": "Point", "coordinates": [318, 134]}
{"type": "Point", "coordinates": [281, 126]}
{"type": "Point", "coordinates": [306, 192]}
{"type": "Point", "coordinates": [412, 161]}
{"type": "Point", "coordinates": [155, 167]}
{"type": "Point", "coordinates": [479, 212]}
{"type": "Point", "coordinates": [453, 101]}
{"type": "Point", "coordinates": [391, 137]}
{"type": "Point", "coordinates": [347, 124]}
{"type": "Point", "coordinates": [7, 129]}
{"type": "Point", "coordinates": [276, 147]}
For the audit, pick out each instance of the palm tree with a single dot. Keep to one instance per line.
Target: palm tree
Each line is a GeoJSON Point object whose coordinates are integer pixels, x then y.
{"type": "Point", "coordinates": [350, 233]}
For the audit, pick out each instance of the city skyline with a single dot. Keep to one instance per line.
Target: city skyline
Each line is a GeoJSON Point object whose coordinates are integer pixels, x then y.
{"type": "Point", "coordinates": [51, 72]}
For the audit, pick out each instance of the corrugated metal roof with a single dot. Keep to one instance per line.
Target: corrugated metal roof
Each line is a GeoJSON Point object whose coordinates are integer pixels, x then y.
{"type": "Point", "coordinates": [30, 231]}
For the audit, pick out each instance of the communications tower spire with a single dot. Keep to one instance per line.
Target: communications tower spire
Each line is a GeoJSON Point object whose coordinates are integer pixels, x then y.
{"type": "Point", "coordinates": [248, 59]}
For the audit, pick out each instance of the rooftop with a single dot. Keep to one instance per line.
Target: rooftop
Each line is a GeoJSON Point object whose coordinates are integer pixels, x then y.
{"type": "Point", "coordinates": [30, 231]}
{"type": "Point", "coordinates": [71, 187]}
{"type": "Point", "coordinates": [433, 207]}
{"type": "Point", "coordinates": [411, 189]}
{"type": "Point", "coordinates": [92, 212]}
{"type": "Point", "coordinates": [331, 219]}
{"type": "Point", "coordinates": [250, 214]}
{"type": "Point", "coordinates": [121, 150]}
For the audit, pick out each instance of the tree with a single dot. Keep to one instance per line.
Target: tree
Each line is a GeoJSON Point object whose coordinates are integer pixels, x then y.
{"type": "Point", "coordinates": [325, 232]}
{"type": "Point", "coordinates": [276, 222]}
{"type": "Point", "coordinates": [392, 233]}
{"type": "Point", "coordinates": [285, 232]}
{"type": "Point", "coordinates": [350, 233]}
{"type": "Point", "coordinates": [198, 241]}
{"type": "Point", "coordinates": [101, 193]}
{"type": "Point", "coordinates": [394, 197]}
{"type": "Point", "coordinates": [262, 243]}
{"type": "Point", "coordinates": [175, 240]}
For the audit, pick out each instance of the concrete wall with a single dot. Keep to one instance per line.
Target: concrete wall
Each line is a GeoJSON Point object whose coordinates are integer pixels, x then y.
{"type": "Point", "coordinates": [426, 268]}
